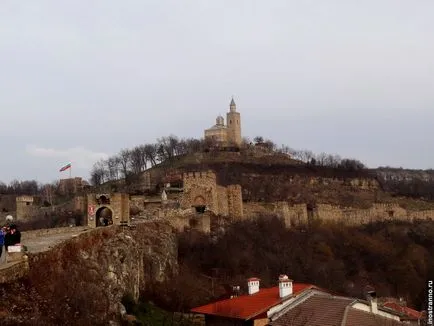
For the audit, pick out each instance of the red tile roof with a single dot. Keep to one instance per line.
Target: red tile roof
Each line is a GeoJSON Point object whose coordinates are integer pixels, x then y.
{"type": "Point", "coordinates": [248, 306]}
{"type": "Point", "coordinates": [328, 310]}
{"type": "Point", "coordinates": [356, 317]}
{"type": "Point", "coordinates": [404, 310]}
{"type": "Point", "coordinates": [324, 310]}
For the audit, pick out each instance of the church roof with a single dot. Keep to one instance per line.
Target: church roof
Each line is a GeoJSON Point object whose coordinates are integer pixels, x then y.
{"type": "Point", "coordinates": [217, 127]}
{"type": "Point", "coordinates": [232, 102]}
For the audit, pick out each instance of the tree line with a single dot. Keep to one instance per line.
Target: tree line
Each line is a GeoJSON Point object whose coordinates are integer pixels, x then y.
{"type": "Point", "coordinates": [15, 187]}
{"type": "Point", "coordinates": [132, 161]}
{"type": "Point", "coordinates": [51, 193]}
{"type": "Point", "coordinates": [141, 157]}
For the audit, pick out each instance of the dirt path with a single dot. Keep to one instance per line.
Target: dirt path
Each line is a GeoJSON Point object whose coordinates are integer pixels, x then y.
{"type": "Point", "coordinates": [44, 242]}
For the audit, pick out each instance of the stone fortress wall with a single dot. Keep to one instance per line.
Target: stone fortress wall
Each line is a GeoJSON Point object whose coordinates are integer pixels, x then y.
{"type": "Point", "coordinates": [26, 207]}
{"type": "Point", "coordinates": [117, 203]}
{"type": "Point", "coordinates": [201, 189]}
{"type": "Point", "coordinates": [303, 214]}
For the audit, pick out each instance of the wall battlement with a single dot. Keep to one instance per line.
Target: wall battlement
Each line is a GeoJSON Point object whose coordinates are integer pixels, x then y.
{"type": "Point", "coordinates": [199, 175]}
{"type": "Point", "coordinates": [201, 189]}
{"type": "Point", "coordinates": [26, 207]}
{"type": "Point", "coordinates": [115, 207]}
{"type": "Point", "coordinates": [29, 199]}
{"type": "Point", "coordinates": [304, 214]}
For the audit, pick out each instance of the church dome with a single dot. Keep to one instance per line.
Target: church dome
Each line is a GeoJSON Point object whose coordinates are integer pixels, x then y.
{"type": "Point", "coordinates": [220, 121]}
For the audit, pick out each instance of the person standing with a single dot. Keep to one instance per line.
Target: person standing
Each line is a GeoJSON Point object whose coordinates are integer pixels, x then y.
{"type": "Point", "coordinates": [15, 235]}
{"type": "Point", "coordinates": [2, 243]}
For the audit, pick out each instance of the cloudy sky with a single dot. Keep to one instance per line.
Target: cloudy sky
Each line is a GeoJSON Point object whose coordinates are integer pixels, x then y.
{"type": "Point", "coordinates": [80, 80]}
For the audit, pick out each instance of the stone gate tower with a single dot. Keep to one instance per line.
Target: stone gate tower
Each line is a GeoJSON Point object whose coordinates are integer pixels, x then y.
{"type": "Point", "coordinates": [233, 120]}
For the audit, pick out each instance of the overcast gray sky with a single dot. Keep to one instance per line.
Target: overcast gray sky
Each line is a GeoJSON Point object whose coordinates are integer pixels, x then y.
{"type": "Point", "coordinates": [80, 80]}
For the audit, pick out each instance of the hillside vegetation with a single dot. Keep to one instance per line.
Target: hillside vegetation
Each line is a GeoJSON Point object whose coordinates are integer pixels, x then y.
{"type": "Point", "coordinates": [396, 258]}
{"type": "Point", "coordinates": [273, 167]}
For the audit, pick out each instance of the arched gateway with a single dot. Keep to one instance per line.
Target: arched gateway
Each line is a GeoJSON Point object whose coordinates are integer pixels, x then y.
{"type": "Point", "coordinates": [199, 203]}
{"type": "Point", "coordinates": [108, 209]}
{"type": "Point", "coordinates": [104, 216]}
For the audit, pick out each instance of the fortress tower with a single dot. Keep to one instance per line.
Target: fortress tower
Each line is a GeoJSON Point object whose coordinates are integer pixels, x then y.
{"type": "Point", "coordinates": [233, 120]}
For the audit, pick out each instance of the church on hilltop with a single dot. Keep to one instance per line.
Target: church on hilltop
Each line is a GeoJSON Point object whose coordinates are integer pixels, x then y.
{"type": "Point", "coordinates": [228, 134]}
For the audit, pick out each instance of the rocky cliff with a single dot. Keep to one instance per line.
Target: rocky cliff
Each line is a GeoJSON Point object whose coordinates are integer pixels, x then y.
{"type": "Point", "coordinates": [82, 281]}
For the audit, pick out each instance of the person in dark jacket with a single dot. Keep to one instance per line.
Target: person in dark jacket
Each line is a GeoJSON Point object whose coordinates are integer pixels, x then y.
{"type": "Point", "coordinates": [14, 236]}
{"type": "Point", "coordinates": [2, 240]}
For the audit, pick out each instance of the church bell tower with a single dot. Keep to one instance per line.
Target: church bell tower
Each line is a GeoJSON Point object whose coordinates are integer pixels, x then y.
{"type": "Point", "coordinates": [233, 120]}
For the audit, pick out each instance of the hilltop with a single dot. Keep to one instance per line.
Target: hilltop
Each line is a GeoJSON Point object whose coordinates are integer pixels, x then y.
{"type": "Point", "coordinates": [274, 176]}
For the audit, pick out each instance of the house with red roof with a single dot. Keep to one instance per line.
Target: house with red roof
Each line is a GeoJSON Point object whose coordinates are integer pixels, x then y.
{"type": "Point", "coordinates": [301, 304]}
{"type": "Point", "coordinates": [255, 307]}
{"type": "Point", "coordinates": [409, 313]}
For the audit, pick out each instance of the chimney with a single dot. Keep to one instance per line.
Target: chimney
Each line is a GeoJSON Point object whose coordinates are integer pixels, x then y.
{"type": "Point", "coordinates": [235, 291]}
{"type": "Point", "coordinates": [285, 286]}
{"type": "Point", "coordinates": [372, 298]}
{"type": "Point", "coordinates": [253, 285]}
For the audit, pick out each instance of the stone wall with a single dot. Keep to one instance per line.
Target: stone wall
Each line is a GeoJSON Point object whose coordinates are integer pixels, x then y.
{"type": "Point", "coordinates": [71, 185]}
{"type": "Point", "coordinates": [235, 201]}
{"type": "Point", "coordinates": [364, 184]}
{"type": "Point", "coordinates": [422, 215]}
{"type": "Point", "coordinates": [119, 204]}
{"type": "Point", "coordinates": [201, 189]}
{"type": "Point", "coordinates": [8, 203]}
{"type": "Point", "coordinates": [149, 179]}
{"type": "Point", "coordinates": [80, 204]}
{"type": "Point", "coordinates": [192, 221]}
{"type": "Point", "coordinates": [222, 200]}
{"type": "Point", "coordinates": [292, 215]}
{"type": "Point", "coordinates": [138, 202]}
{"type": "Point", "coordinates": [356, 183]}
{"type": "Point", "coordinates": [26, 207]}
{"type": "Point", "coordinates": [303, 214]}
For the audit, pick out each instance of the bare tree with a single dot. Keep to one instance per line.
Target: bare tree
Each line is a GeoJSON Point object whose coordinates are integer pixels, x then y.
{"type": "Point", "coordinates": [113, 167]}
{"type": "Point", "coordinates": [351, 164]}
{"type": "Point", "coordinates": [194, 145]}
{"type": "Point", "coordinates": [125, 159]}
{"type": "Point", "coordinates": [150, 151]}
{"type": "Point", "coordinates": [270, 145]}
{"type": "Point", "coordinates": [98, 174]}
{"type": "Point", "coordinates": [304, 155]}
{"type": "Point", "coordinates": [144, 157]}
{"type": "Point", "coordinates": [137, 159]}
{"type": "Point", "coordinates": [321, 159]}
{"type": "Point", "coordinates": [246, 142]}
{"type": "Point", "coordinates": [286, 150]}
{"type": "Point", "coordinates": [258, 139]}
{"type": "Point", "coordinates": [3, 188]}
{"type": "Point", "coordinates": [182, 147]}
{"type": "Point", "coordinates": [167, 147]}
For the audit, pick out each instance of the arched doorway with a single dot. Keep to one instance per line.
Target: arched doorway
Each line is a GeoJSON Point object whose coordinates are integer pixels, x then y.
{"type": "Point", "coordinates": [104, 216]}
{"type": "Point", "coordinates": [199, 204]}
